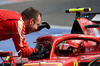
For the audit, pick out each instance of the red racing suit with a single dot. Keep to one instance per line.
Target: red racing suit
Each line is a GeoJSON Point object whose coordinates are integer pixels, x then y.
{"type": "Point", "coordinates": [12, 26]}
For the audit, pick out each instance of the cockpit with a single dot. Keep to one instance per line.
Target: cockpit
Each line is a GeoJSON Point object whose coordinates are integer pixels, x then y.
{"type": "Point", "coordinates": [73, 46]}
{"type": "Point", "coordinates": [44, 47]}
{"type": "Point", "coordinates": [69, 47]}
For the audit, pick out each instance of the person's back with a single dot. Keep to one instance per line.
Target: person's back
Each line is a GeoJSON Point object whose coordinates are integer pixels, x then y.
{"type": "Point", "coordinates": [7, 17]}
{"type": "Point", "coordinates": [13, 26]}
{"type": "Point", "coordinates": [8, 14]}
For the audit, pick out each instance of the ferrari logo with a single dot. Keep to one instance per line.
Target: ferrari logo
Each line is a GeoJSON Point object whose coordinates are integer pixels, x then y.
{"type": "Point", "coordinates": [75, 63]}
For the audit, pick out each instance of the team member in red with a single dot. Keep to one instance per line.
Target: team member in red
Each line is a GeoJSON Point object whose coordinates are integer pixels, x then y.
{"type": "Point", "coordinates": [14, 25]}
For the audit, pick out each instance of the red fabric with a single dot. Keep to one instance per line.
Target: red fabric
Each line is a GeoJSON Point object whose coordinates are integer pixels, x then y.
{"type": "Point", "coordinates": [11, 26]}
{"type": "Point", "coordinates": [8, 14]}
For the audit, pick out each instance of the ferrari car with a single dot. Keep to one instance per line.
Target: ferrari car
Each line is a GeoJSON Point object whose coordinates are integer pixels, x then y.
{"type": "Point", "coordinates": [80, 48]}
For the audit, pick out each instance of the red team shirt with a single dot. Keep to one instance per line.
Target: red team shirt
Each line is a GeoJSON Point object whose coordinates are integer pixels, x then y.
{"type": "Point", "coordinates": [12, 26]}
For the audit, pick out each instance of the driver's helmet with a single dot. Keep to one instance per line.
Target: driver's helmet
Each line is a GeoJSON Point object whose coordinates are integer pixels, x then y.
{"type": "Point", "coordinates": [68, 47]}
{"type": "Point", "coordinates": [65, 48]}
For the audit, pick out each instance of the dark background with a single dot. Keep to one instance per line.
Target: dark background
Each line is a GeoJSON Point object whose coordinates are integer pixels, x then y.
{"type": "Point", "coordinates": [54, 10]}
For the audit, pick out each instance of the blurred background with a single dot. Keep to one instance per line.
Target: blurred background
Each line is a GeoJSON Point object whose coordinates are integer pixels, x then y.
{"type": "Point", "coordinates": [53, 12]}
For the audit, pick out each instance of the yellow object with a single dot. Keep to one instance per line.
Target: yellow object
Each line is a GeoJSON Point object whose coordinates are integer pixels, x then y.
{"type": "Point", "coordinates": [43, 64]}
{"type": "Point", "coordinates": [77, 10]}
{"type": "Point", "coordinates": [75, 63]}
{"type": "Point", "coordinates": [63, 41]}
{"type": "Point", "coordinates": [7, 58]}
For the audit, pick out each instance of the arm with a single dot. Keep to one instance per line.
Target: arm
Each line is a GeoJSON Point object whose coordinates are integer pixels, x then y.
{"type": "Point", "coordinates": [18, 29]}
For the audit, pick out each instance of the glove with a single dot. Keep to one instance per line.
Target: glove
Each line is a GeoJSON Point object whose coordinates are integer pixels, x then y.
{"type": "Point", "coordinates": [43, 25]}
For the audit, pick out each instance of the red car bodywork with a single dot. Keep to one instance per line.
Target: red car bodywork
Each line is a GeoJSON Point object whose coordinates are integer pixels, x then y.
{"type": "Point", "coordinates": [85, 41]}
{"type": "Point", "coordinates": [76, 59]}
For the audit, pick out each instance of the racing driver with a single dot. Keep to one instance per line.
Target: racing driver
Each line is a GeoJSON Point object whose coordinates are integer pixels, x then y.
{"type": "Point", "coordinates": [15, 25]}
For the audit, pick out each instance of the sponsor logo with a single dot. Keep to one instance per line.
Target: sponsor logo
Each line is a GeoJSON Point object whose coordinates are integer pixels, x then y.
{"type": "Point", "coordinates": [75, 63]}
{"type": "Point", "coordinates": [89, 49]}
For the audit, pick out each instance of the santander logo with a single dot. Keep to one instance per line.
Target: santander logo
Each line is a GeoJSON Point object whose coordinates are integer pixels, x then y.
{"type": "Point", "coordinates": [89, 49]}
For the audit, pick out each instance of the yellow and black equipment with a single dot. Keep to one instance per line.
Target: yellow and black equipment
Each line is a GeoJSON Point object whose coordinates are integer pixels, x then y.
{"type": "Point", "coordinates": [77, 10]}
